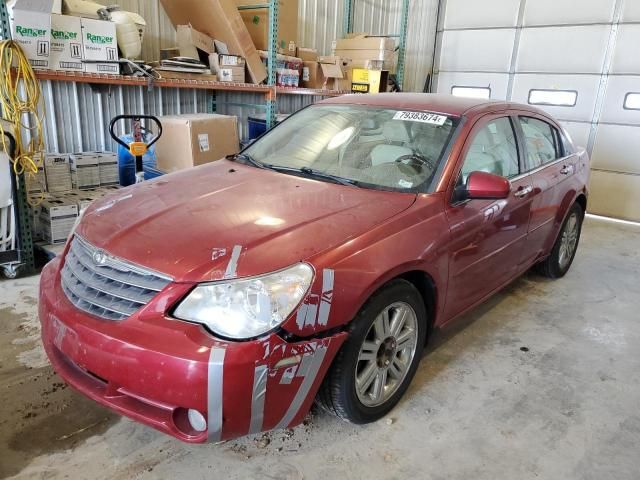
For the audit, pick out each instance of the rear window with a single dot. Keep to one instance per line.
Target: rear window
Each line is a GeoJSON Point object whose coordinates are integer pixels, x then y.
{"type": "Point", "coordinates": [541, 142]}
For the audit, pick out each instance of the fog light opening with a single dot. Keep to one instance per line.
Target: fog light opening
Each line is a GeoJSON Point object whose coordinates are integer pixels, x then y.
{"type": "Point", "coordinates": [197, 420]}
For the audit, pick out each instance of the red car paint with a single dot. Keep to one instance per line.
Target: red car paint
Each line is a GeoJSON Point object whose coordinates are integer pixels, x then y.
{"type": "Point", "coordinates": [152, 367]}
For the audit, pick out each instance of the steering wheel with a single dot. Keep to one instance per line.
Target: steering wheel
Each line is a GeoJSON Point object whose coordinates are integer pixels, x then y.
{"type": "Point", "coordinates": [417, 159]}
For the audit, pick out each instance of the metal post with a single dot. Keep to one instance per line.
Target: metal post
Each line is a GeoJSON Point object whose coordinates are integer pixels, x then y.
{"type": "Point", "coordinates": [272, 105]}
{"type": "Point", "coordinates": [347, 19]}
{"type": "Point", "coordinates": [5, 30]}
{"type": "Point", "coordinates": [402, 47]}
{"type": "Point", "coordinates": [24, 223]}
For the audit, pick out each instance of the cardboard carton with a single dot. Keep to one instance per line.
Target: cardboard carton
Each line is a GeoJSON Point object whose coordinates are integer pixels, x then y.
{"type": "Point", "coordinates": [99, 43]}
{"type": "Point", "coordinates": [257, 23]}
{"type": "Point", "coordinates": [36, 183]}
{"type": "Point", "coordinates": [85, 172]}
{"type": "Point", "coordinates": [108, 168]}
{"type": "Point", "coordinates": [307, 54]}
{"type": "Point", "coordinates": [57, 217]}
{"type": "Point", "coordinates": [57, 169]}
{"type": "Point", "coordinates": [219, 19]}
{"type": "Point", "coordinates": [228, 68]}
{"type": "Point", "coordinates": [31, 28]}
{"type": "Point", "coordinates": [66, 43]}
{"type": "Point", "coordinates": [361, 41]}
{"type": "Point", "coordinates": [190, 41]}
{"type": "Point", "coordinates": [196, 139]}
{"type": "Point", "coordinates": [367, 52]}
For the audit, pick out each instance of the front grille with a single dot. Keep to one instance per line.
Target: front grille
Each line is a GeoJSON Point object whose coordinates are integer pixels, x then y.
{"type": "Point", "coordinates": [106, 286]}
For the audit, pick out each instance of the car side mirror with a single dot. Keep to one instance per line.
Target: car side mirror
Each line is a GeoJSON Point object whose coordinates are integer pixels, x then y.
{"type": "Point", "coordinates": [487, 186]}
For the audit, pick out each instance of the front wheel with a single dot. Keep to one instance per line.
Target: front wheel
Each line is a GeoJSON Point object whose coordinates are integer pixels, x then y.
{"type": "Point", "coordinates": [377, 362]}
{"type": "Point", "coordinates": [557, 264]}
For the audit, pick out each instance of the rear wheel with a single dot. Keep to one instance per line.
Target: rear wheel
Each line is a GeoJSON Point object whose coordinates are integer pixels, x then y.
{"type": "Point", "coordinates": [377, 362]}
{"type": "Point", "coordinates": [557, 264]}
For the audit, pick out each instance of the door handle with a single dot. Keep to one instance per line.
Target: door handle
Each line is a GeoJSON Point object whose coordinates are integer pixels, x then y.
{"type": "Point", "coordinates": [566, 170]}
{"type": "Point", "coordinates": [523, 191]}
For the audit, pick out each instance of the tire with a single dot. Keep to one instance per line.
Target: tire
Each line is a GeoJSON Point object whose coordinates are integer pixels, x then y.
{"type": "Point", "coordinates": [339, 394]}
{"type": "Point", "coordinates": [557, 264]}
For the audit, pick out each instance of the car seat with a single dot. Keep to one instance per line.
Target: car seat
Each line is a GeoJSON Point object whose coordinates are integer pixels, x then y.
{"type": "Point", "coordinates": [396, 138]}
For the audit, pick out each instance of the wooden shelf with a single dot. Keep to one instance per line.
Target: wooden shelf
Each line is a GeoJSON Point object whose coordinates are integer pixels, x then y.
{"type": "Point", "coordinates": [105, 79]}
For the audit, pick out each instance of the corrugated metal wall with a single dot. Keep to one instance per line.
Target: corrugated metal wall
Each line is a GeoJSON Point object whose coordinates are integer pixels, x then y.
{"type": "Point", "coordinates": [75, 110]}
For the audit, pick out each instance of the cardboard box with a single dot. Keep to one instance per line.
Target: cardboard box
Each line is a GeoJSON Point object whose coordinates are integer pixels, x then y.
{"type": "Point", "coordinates": [108, 168]}
{"type": "Point", "coordinates": [99, 43]}
{"type": "Point", "coordinates": [361, 41]}
{"type": "Point", "coordinates": [170, 74]}
{"type": "Point", "coordinates": [228, 68]}
{"type": "Point", "coordinates": [337, 73]}
{"type": "Point", "coordinates": [66, 43]}
{"type": "Point", "coordinates": [257, 23]}
{"type": "Point", "coordinates": [367, 52]}
{"type": "Point", "coordinates": [57, 169]}
{"type": "Point", "coordinates": [221, 20]}
{"type": "Point", "coordinates": [57, 217]}
{"type": "Point", "coordinates": [85, 172]}
{"type": "Point", "coordinates": [36, 183]}
{"type": "Point", "coordinates": [190, 41]}
{"type": "Point", "coordinates": [31, 29]}
{"type": "Point", "coordinates": [196, 139]}
{"type": "Point", "coordinates": [307, 54]}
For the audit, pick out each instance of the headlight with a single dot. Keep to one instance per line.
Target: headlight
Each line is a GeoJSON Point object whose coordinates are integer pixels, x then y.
{"type": "Point", "coordinates": [246, 308]}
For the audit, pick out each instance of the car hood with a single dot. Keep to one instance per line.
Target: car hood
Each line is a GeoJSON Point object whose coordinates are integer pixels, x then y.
{"type": "Point", "coordinates": [227, 219]}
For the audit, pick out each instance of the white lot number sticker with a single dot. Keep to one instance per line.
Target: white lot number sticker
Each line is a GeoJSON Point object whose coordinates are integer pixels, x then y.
{"type": "Point", "coordinates": [423, 117]}
{"type": "Point", "coordinates": [203, 141]}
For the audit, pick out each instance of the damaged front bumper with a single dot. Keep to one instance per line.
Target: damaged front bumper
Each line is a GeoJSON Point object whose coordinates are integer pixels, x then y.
{"type": "Point", "coordinates": [154, 369]}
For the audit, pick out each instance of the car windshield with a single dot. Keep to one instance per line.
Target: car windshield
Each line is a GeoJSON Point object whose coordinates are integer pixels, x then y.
{"type": "Point", "coordinates": [378, 148]}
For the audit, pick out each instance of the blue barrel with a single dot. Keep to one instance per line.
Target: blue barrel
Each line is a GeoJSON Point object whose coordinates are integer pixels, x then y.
{"type": "Point", "coordinates": [127, 162]}
{"type": "Point", "coordinates": [258, 124]}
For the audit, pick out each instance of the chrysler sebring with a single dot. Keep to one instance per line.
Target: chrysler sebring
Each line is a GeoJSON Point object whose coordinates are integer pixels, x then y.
{"type": "Point", "coordinates": [313, 265]}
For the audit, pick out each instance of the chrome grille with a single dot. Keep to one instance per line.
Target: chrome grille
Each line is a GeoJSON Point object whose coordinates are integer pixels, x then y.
{"type": "Point", "coordinates": [106, 286]}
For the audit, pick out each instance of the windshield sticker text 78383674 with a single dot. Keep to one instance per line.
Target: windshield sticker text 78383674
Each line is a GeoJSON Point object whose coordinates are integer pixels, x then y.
{"type": "Point", "coordinates": [421, 117]}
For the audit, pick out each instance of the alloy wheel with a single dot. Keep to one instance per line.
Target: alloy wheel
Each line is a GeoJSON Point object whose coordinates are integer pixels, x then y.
{"type": "Point", "coordinates": [386, 354]}
{"type": "Point", "coordinates": [568, 241]}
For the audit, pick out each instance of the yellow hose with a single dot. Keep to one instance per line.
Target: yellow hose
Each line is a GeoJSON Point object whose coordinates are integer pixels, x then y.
{"type": "Point", "coordinates": [19, 99]}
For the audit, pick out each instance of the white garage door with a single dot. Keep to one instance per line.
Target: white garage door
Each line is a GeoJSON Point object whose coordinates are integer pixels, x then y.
{"type": "Point", "coordinates": [578, 60]}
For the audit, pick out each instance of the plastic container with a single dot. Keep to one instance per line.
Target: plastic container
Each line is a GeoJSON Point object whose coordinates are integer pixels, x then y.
{"type": "Point", "coordinates": [127, 162]}
{"type": "Point", "coordinates": [258, 124]}
{"type": "Point", "coordinates": [151, 172]}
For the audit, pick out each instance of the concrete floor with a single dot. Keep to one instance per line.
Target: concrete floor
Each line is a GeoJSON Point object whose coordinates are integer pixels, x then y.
{"type": "Point", "coordinates": [480, 406]}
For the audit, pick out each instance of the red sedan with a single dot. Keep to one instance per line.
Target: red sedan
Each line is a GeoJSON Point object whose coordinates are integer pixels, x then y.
{"type": "Point", "coordinates": [223, 300]}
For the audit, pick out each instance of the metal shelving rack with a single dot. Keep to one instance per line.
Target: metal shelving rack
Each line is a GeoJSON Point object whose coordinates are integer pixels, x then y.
{"type": "Point", "coordinates": [347, 27]}
{"type": "Point", "coordinates": [26, 252]}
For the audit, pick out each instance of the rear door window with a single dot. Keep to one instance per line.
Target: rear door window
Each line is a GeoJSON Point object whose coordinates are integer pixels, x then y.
{"type": "Point", "coordinates": [542, 143]}
{"type": "Point", "coordinates": [493, 150]}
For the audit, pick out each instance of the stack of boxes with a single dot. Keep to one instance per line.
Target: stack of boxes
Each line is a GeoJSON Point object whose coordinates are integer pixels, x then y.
{"type": "Point", "coordinates": [61, 42]}
{"type": "Point", "coordinates": [68, 184]}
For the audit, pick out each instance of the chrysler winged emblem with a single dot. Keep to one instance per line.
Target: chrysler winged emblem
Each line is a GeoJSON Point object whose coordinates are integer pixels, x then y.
{"type": "Point", "coordinates": [99, 257]}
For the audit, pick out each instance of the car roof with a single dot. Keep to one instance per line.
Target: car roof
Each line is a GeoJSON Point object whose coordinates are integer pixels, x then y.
{"type": "Point", "coordinates": [430, 102]}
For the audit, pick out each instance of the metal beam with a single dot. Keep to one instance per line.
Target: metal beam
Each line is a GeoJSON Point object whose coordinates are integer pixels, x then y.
{"type": "Point", "coordinates": [347, 18]}
{"type": "Point", "coordinates": [272, 105]}
{"type": "Point", "coordinates": [402, 46]}
{"type": "Point", "coordinates": [5, 29]}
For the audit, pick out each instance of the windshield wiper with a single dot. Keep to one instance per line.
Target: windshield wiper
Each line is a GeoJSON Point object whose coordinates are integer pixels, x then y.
{"type": "Point", "coordinates": [314, 173]}
{"type": "Point", "coordinates": [247, 158]}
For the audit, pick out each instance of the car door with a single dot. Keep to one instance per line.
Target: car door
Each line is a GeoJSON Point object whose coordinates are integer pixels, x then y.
{"type": "Point", "coordinates": [546, 166]}
{"type": "Point", "coordinates": [487, 236]}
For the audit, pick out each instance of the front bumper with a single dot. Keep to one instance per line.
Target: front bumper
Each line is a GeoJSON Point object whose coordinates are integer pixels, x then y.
{"type": "Point", "coordinates": [152, 368]}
